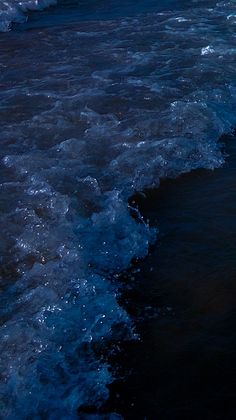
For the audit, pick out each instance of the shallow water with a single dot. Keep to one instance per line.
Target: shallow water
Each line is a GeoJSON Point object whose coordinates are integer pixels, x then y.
{"type": "Point", "coordinates": [183, 301]}
{"type": "Point", "coordinates": [91, 113]}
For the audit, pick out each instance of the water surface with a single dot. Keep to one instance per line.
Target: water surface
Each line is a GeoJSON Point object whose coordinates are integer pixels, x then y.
{"type": "Point", "coordinates": [93, 110]}
{"type": "Point", "coordinates": [183, 301]}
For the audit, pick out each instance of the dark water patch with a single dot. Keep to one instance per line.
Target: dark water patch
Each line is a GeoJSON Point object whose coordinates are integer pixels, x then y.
{"type": "Point", "coordinates": [71, 11]}
{"type": "Point", "coordinates": [182, 298]}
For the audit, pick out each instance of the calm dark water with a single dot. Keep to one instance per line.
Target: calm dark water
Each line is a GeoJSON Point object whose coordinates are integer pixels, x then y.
{"type": "Point", "coordinates": [183, 301]}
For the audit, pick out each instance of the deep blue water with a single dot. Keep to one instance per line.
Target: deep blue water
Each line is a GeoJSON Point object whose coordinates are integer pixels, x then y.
{"type": "Point", "coordinates": [99, 101]}
{"type": "Point", "coordinates": [69, 11]}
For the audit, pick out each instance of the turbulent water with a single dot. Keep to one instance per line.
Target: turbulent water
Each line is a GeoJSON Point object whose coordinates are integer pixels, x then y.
{"type": "Point", "coordinates": [92, 112]}
{"type": "Point", "coordinates": [16, 11]}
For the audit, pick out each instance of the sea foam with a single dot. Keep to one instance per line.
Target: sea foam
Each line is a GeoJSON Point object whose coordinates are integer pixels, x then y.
{"type": "Point", "coordinates": [91, 115]}
{"type": "Point", "coordinates": [15, 11]}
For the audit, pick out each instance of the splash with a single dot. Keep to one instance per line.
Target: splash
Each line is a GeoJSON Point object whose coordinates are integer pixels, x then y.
{"type": "Point", "coordinates": [15, 11]}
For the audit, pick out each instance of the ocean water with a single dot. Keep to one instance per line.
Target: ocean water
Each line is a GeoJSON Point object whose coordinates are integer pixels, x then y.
{"type": "Point", "coordinates": [182, 300]}
{"type": "Point", "coordinates": [96, 105]}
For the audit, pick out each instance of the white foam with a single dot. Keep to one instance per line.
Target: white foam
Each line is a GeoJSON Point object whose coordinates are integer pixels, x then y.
{"type": "Point", "coordinates": [16, 11]}
{"type": "Point", "coordinates": [87, 121]}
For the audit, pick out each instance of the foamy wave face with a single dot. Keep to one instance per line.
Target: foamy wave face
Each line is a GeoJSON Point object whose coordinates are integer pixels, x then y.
{"type": "Point", "coordinates": [15, 11]}
{"type": "Point", "coordinates": [90, 115]}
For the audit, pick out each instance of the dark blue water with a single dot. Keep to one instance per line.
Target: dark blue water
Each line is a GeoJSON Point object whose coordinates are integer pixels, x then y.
{"type": "Point", "coordinates": [99, 102]}
{"type": "Point", "coordinates": [69, 11]}
{"type": "Point", "coordinates": [183, 302]}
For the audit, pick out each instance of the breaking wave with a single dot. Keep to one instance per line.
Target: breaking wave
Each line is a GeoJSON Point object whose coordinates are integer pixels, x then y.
{"type": "Point", "coordinates": [90, 115]}
{"type": "Point", "coordinates": [15, 11]}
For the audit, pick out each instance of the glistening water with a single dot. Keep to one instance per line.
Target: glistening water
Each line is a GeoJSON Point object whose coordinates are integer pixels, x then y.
{"type": "Point", "coordinates": [96, 106]}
